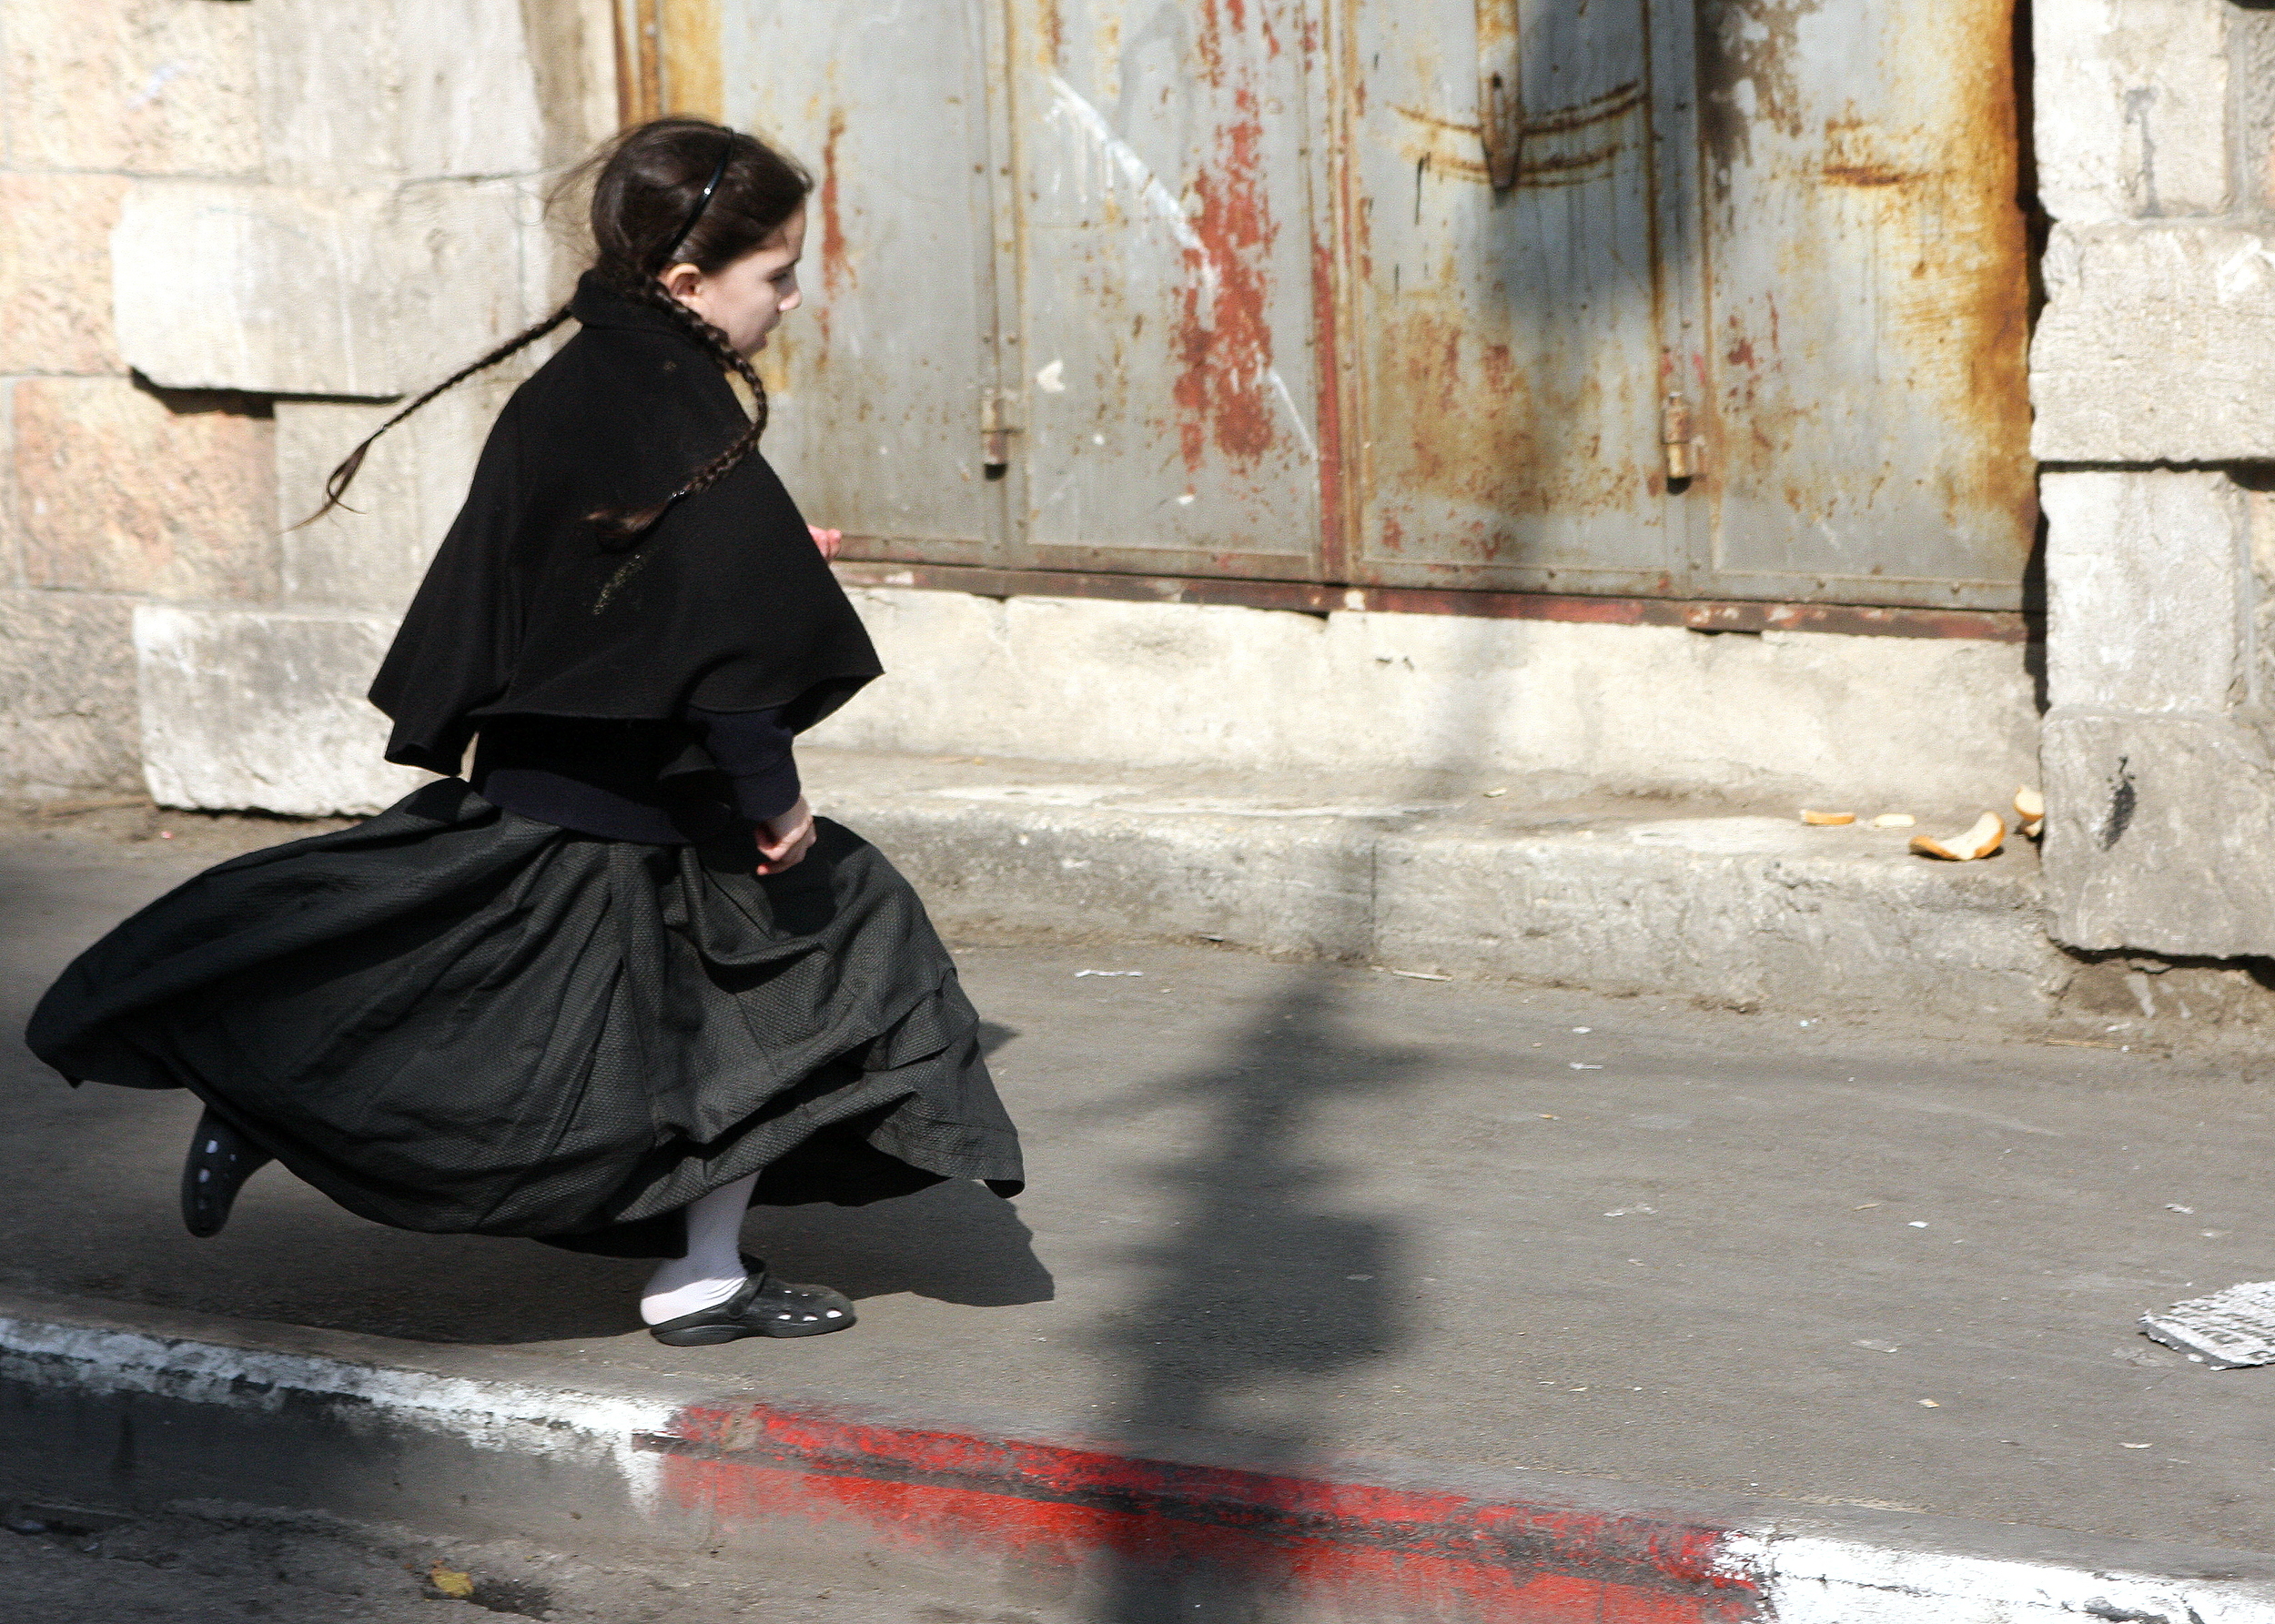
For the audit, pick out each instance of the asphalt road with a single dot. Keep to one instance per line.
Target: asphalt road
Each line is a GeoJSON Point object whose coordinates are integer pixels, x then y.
{"type": "Point", "coordinates": [1313, 1210]}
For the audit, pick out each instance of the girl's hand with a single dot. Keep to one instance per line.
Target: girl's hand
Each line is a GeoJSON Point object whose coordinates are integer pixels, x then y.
{"type": "Point", "coordinates": [827, 540]}
{"type": "Point", "coordinates": [783, 842]}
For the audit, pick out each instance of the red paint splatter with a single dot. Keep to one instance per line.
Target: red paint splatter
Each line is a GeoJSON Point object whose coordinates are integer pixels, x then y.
{"type": "Point", "coordinates": [1369, 1551]}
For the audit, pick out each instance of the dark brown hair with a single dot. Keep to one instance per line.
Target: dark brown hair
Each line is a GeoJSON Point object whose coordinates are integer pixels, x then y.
{"type": "Point", "coordinates": [648, 208]}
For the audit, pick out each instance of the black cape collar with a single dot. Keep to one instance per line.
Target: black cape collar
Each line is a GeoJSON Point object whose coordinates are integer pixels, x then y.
{"type": "Point", "coordinates": [598, 303]}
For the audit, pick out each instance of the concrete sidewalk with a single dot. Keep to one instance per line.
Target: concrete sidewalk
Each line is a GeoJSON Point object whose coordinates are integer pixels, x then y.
{"type": "Point", "coordinates": [1736, 903]}
{"type": "Point", "coordinates": [1306, 1217]}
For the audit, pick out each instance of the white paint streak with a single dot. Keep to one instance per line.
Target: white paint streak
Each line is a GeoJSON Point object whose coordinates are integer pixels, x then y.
{"type": "Point", "coordinates": [489, 1415]}
{"type": "Point", "coordinates": [1158, 199]}
{"type": "Point", "coordinates": [1809, 1580]}
{"type": "Point", "coordinates": [1303, 431]}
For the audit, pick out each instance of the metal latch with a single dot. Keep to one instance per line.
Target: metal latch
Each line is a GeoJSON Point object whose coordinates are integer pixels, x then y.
{"type": "Point", "coordinates": [1678, 437]}
{"type": "Point", "coordinates": [1499, 104]}
{"type": "Point", "coordinates": [996, 428]}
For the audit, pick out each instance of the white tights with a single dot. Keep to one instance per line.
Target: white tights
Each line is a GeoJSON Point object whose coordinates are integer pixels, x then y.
{"type": "Point", "coordinates": [712, 1271]}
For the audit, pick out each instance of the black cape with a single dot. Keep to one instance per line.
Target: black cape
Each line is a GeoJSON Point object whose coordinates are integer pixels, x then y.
{"type": "Point", "coordinates": [725, 604]}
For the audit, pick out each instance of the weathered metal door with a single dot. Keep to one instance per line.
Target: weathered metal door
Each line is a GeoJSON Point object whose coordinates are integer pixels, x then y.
{"type": "Point", "coordinates": [1167, 290]}
{"type": "Point", "coordinates": [880, 387]}
{"type": "Point", "coordinates": [1514, 330]}
{"type": "Point", "coordinates": [1719, 298]}
{"type": "Point", "coordinates": [1869, 301]}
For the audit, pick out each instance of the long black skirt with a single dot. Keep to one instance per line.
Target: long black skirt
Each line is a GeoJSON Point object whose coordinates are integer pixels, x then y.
{"type": "Point", "coordinates": [457, 1019]}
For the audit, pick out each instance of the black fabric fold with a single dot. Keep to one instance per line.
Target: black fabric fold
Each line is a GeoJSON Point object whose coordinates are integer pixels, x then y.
{"type": "Point", "coordinates": [453, 1018]}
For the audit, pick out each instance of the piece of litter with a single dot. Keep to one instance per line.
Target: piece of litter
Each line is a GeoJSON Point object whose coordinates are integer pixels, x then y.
{"type": "Point", "coordinates": [1495, 794]}
{"type": "Point", "coordinates": [2137, 1446]}
{"type": "Point", "coordinates": [2030, 812]}
{"type": "Point", "coordinates": [1894, 820]}
{"type": "Point", "coordinates": [1875, 1344]}
{"type": "Point", "coordinates": [458, 1586]}
{"type": "Point", "coordinates": [1080, 974]}
{"type": "Point", "coordinates": [2212, 1234]}
{"type": "Point", "coordinates": [1918, 1224]}
{"type": "Point", "coordinates": [1582, 1065]}
{"type": "Point", "coordinates": [1357, 1276]}
{"type": "Point", "coordinates": [1861, 1204]}
{"type": "Point", "coordinates": [166, 834]}
{"type": "Point", "coordinates": [1929, 1404]}
{"type": "Point", "coordinates": [1546, 1117]}
{"type": "Point", "coordinates": [1824, 820]}
{"type": "Point", "coordinates": [1621, 1212]}
{"type": "Point", "coordinates": [2174, 1207]}
{"type": "Point", "coordinates": [2228, 1330]}
{"type": "Point", "coordinates": [1584, 1029]}
{"type": "Point", "coordinates": [1421, 976]}
{"type": "Point", "coordinates": [1985, 837]}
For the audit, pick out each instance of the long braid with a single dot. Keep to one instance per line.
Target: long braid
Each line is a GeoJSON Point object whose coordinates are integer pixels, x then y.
{"type": "Point", "coordinates": [336, 485]}
{"type": "Point", "coordinates": [649, 203]}
{"type": "Point", "coordinates": [624, 529]}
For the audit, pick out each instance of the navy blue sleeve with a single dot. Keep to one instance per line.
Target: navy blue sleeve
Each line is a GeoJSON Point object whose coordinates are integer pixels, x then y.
{"type": "Point", "coordinates": [754, 750]}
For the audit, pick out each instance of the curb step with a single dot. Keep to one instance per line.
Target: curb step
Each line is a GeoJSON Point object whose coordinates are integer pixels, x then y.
{"type": "Point", "coordinates": [1732, 909]}
{"type": "Point", "coordinates": [129, 1410]}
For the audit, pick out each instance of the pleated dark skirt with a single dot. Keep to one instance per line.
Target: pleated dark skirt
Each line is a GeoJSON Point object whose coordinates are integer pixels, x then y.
{"type": "Point", "coordinates": [457, 1019]}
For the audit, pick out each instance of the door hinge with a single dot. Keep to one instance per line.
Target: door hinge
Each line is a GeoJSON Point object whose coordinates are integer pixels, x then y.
{"type": "Point", "coordinates": [1678, 438]}
{"type": "Point", "coordinates": [997, 424]}
{"type": "Point", "coordinates": [1500, 100]}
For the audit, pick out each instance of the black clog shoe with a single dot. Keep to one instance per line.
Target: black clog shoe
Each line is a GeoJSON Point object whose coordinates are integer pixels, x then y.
{"type": "Point", "coordinates": [763, 1306]}
{"type": "Point", "coordinates": [220, 1160]}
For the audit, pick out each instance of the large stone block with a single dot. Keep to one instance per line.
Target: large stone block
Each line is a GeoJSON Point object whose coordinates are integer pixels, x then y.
{"type": "Point", "coordinates": [68, 721]}
{"type": "Point", "coordinates": [265, 710]}
{"type": "Point", "coordinates": [408, 490]}
{"type": "Point", "coordinates": [2158, 833]}
{"type": "Point", "coordinates": [389, 90]}
{"type": "Point", "coordinates": [2158, 345]}
{"type": "Point", "coordinates": [142, 87]}
{"type": "Point", "coordinates": [55, 272]}
{"type": "Point", "coordinates": [1885, 722]}
{"type": "Point", "coordinates": [122, 489]}
{"type": "Point", "coordinates": [2148, 574]}
{"type": "Point", "coordinates": [2132, 102]}
{"type": "Point", "coordinates": [311, 290]}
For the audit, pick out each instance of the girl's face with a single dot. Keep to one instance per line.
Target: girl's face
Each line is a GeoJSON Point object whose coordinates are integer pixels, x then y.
{"type": "Point", "coordinates": [747, 298]}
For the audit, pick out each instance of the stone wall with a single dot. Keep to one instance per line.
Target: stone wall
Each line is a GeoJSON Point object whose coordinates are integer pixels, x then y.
{"type": "Point", "coordinates": [1797, 718]}
{"type": "Point", "coordinates": [228, 233]}
{"type": "Point", "coordinates": [2153, 374]}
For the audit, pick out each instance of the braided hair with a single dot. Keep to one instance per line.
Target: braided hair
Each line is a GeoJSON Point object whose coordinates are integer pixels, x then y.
{"type": "Point", "coordinates": [668, 192]}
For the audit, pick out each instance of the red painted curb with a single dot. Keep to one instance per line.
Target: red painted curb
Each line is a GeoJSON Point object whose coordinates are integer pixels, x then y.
{"type": "Point", "coordinates": [1370, 1550]}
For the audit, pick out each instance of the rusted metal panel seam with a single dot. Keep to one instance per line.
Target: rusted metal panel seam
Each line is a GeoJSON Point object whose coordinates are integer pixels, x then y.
{"type": "Point", "coordinates": [1706, 615]}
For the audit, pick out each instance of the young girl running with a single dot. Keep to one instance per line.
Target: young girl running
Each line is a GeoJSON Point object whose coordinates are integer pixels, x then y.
{"type": "Point", "coordinates": [618, 983]}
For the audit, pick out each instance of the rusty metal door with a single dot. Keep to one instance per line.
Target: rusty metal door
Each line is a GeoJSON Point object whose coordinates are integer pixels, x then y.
{"type": "Point", "coordinates": [1870, 305]}
{"type": "Point", "coordinates": [1166, 297]}
{"type": "Point", "coordinates": [1775, 244]}
{"type": "Point", "coordinates": [879, 388]}
{"type": "Point", "coordinates": [1694, 298]}
{"type": "Point", "coordinates": [1518, 279]}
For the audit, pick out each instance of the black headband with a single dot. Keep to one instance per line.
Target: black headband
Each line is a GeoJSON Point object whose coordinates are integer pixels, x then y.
{"type": "Point", "coordinates": [718, 174]}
